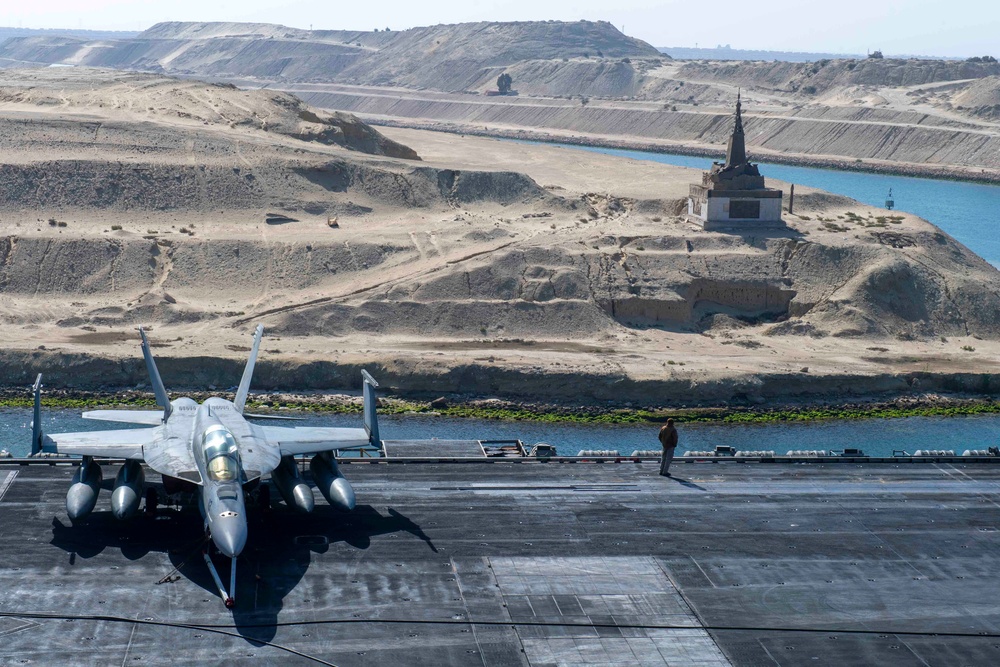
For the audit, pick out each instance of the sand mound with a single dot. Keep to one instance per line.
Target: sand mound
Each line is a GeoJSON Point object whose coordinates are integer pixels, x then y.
{"type": "Point", "coordinates": [449, 57]}
{"type": "Point", "coordinates": [454, 57]}
{"type": "Point", "coordinates": [135, 96]}
{"type": "Point", "coordinates": [86, 141]}
{"type": "Point", "coordinates": [981, 98]}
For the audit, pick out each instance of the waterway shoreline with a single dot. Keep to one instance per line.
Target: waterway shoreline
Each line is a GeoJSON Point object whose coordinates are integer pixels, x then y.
{"type": "Point", "coordinates": [953, 173]}
{"type": "Point", "coordinates": [471, 407]}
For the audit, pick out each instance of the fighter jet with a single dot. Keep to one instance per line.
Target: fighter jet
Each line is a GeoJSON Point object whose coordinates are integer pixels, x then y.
{"type": "Point", "coordinates": [211, 449]}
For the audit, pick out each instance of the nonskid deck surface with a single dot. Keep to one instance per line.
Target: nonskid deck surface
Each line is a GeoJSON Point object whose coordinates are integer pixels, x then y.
{"type": "Point", "coordinates": [528, 564]}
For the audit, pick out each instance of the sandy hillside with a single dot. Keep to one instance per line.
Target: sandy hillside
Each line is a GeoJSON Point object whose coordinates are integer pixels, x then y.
{"type": "Point", "coordinates": [980, 97]}
{"type": "Point", "coordinates": [487, 267]}
{"type": "Point", "coordinates": [586, 82]}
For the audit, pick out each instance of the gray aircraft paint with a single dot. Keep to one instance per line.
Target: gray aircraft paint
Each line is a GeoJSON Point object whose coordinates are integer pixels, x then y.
{"type": "Point", "coordinates": [175, 447]}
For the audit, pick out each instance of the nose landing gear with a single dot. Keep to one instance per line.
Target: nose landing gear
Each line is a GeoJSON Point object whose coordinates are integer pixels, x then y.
{"type": "Point", "coordinates": [228, 597]}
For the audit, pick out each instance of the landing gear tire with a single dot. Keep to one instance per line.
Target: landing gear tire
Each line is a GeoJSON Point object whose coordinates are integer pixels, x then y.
{"type": "Point", "coordinates": [152, 500]}
{"type": "Point", "coordinates": [264, 497]}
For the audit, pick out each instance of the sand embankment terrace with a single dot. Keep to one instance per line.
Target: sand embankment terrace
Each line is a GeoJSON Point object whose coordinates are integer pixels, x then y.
{"type": "Point", "coordinates": [486, 267]}
{"type": "Point", "coordinates": [890, 141]}
{"type": "Point", "coordinates": [586, 82]}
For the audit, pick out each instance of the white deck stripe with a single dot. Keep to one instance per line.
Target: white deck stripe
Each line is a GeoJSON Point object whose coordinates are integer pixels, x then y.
{"type": "Point", "coordinates": [7, 482]}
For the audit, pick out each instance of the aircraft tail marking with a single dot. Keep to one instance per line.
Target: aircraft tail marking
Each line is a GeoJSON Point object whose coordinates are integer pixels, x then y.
{"type": "Point", "coordinates": [244, 388]}
{"type": "Point", "coordinates": [370, 400]}
{"type": "Point", "coordinates": [154, 377]}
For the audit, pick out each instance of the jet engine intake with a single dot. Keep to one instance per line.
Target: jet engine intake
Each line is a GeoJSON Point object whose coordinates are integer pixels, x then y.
{"type": "Point", "coordinates": [82, 495]}
{"type": "Point", "coordinates": [332, 484]}
{"type": "Point", "coordinates": [291, 486]}
{"type": "Point", "coordinates": [128, 490]}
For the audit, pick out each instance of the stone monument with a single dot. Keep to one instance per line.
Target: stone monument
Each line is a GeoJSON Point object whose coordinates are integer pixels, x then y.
{"type": "Point", "coordinates": [732, 196]}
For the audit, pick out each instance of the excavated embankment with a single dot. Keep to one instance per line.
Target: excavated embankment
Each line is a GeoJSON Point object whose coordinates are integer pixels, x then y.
{"type": "Point", "coordinates": [76, 185]}
{"type": "Point", "coordinates": [458, 274]}
{"type": "Point", "coordinates": [405, 378]}
{"type": "Point", "coordinates": [894, 284]}
{"type": "Point", "coordinates": [895, 112]}
{"type": "Point", "coordinates": [890, 142]}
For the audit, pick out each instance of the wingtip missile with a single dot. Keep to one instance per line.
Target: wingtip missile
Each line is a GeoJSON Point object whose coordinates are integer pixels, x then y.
{"type": "Point", "coordinates": [36, 418]}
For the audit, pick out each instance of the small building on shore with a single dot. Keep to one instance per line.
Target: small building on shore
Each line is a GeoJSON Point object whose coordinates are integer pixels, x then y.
{"type": "Point", "coordinates": [732, 195]}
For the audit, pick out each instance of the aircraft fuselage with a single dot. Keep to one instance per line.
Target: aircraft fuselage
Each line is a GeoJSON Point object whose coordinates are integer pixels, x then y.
{"type": "Point", "coordinates": [217, 455]}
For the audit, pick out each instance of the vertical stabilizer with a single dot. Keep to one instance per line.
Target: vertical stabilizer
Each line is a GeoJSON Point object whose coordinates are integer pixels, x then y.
{"type": "Point", "coordinates": [370, 400]}
{"type": "Point", "coordinates": [36, 419]}
{"type": "Point", "coordinates": [154, 377]}
{"type": "Point", "coordinates": [244, 388]}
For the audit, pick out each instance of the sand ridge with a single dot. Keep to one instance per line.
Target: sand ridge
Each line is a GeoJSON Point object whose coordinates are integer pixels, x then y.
{"type": "Point", "coordinates": [540, 274]}
{"type": "Point", "coordinates": [586, 82]}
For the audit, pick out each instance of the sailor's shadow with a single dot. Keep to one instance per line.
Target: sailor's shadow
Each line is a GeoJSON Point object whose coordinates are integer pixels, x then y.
{"type": "Point", "coordinates": [688, 483]}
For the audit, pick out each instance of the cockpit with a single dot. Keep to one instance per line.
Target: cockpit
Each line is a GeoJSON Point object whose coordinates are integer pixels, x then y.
{"type": "Point", "coordinates": [221, 453]}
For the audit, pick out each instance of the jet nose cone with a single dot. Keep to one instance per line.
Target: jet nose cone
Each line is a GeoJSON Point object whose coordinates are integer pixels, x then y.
{"type": "Point", "coordinates": [230, 535]}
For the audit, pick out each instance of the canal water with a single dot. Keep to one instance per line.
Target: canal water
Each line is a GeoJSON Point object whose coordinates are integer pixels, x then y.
{"type": "Point", "coordinates": [877, 437]}
{"type": "Point", "coordinates": [970, 212]}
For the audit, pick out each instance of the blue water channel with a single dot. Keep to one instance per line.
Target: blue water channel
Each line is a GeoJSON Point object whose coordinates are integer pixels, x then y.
{"type": "Point", "coordinates": [970, 212]}
{"type": "Point", "coordinates": [877, 437]}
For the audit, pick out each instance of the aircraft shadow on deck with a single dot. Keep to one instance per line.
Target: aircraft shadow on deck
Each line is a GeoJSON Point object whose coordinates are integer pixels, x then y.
{"type": "Point", "coordinates": [276, 558]}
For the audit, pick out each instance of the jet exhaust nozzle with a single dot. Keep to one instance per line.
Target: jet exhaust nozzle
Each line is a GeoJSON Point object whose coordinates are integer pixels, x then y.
{"type": "Point", "coordinates": [332, 484]}
{"type": "Point", "coordinates": [128, 490]}
{"type": "Point", "coordinates": [291, 486]}
{"type": "Point", "coordinates": [83, 491]}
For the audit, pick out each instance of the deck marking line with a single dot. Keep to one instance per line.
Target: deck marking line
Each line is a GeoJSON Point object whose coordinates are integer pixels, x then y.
{"type": "Point", "coordinates": [7, 482]}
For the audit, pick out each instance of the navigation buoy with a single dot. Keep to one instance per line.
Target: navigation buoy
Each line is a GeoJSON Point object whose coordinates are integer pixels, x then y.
{"type": "Point", "coordinates": [889, 203]}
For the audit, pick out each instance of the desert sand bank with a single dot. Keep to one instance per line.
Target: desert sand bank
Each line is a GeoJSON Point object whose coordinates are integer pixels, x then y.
{"type": "Point", "coordinates": [487, 268]}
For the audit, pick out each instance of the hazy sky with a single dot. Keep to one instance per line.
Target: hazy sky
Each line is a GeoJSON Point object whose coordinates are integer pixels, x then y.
{"type": "Point", "coordinates": [932, 27]}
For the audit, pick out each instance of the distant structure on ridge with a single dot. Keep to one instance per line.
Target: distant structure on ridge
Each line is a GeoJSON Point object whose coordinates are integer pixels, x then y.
{"type": "Point", "coordinates": [733, 194]}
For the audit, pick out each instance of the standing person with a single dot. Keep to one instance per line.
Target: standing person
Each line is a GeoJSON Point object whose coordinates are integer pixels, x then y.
{"type": "Point", "coordinates": [668, 439]}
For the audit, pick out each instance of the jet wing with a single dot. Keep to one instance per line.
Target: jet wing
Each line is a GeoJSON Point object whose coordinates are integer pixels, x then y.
{"type": "Point", "coordinates": [148, 417]}
{"type": "Point", "coordinates": [120, 443]}
{"type": "Point", "coordinates": [170, 454]}
{"type": "Point", "coordinates": [313, 439]}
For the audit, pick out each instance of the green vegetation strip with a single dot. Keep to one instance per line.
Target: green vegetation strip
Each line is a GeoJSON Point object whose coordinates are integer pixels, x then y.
{"type": "Point", "coordinates": [548, 413]}
{"type": "Point", "coordinates": [720, 415]}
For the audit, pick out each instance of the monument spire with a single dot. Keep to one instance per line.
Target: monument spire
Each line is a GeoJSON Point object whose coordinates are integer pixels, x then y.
{"type": "Point", "coordinates": [736, 151]}
{"type": "Point", "coordinates": [734, 193]}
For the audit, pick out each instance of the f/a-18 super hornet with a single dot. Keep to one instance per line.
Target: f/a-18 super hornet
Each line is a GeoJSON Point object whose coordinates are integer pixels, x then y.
{"type": "Point", "coordinates": [211, 449]}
